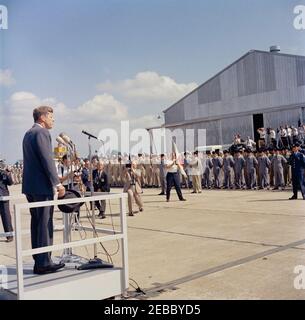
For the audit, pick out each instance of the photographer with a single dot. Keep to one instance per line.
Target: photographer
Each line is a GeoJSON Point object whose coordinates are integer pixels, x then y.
{"type": "Point", "coordinates": [133, 186]}
{"type": "Point", "coordinates": [5, 181]}
{"type": "Point", "coordinates": [100, 184]}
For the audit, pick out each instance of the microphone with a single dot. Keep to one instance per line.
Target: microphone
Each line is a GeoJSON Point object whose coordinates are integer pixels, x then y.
{"type": "Point", "coordinates": [89, 135]}
{"type": "Point", "coordinates": [60, 140]}
{"type": "Point", "coordinates": [67, 139]}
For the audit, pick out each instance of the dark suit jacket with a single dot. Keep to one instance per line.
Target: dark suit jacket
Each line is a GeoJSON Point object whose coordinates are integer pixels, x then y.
{"type": "Point", "coordinates": [39, 172]}
{"type": "Point", "coordinates": [5, 180]}
{"type": "Point", "coordinates": [85, 178]}
{"type": "Point", "coordinates": [100, 182]}
{"type": "Point", "coordinates": [297, 162]}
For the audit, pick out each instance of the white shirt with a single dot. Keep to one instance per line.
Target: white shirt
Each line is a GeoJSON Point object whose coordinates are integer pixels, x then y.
{"type": "Point", "coordinates": [295, 132]}
{"type": "Point", "coordinates": [272, 134]}
{"type": "Point", "coordinates": [262, 134]}
{"type": "Point", "coordinates": [173, 168]}
{"type": "Point", "coordinates": [62, 172]}
{"type": "Point", "coordinates": [283, 133]}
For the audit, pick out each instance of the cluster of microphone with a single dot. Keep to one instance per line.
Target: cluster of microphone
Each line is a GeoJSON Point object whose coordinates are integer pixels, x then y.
{"type": "Point", "coordinates": [65, 140]}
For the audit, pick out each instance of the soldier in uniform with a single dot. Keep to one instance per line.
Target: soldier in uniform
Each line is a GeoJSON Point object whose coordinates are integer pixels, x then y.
{"type": "Point", "coordinates": [228, 164]}
{"type": "Point", "coordinates": [271, 172]}
{"type": "Point", "coordinates": [162, 175]}
{"type": "Point", "coordinates": [239, 164]}
{"type": "Point", "coordinates": [196, 171]}
{"type": "Point", "coordinates": [142, 165]}
{"type": "Point", "coordinates": [155, 171]}
{"type": "Point", "coordinates": [278, 162]}
{"type": "Point", "coordinates": [287, 168]}
{"type": "Point", "coordinates": [297, 162]}
{"type": "Point", "coordinates": [207, 171]}
{"type": "Point", "coordinates": [251, 164]}
{"type": "Point", "coordinates": [263, 168]}
{"type": "Point", "coordinates": [217, 165]}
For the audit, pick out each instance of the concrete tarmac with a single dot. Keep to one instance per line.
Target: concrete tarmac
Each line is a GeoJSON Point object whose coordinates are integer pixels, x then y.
{"type": "Point", "coordinates": [216, 245]}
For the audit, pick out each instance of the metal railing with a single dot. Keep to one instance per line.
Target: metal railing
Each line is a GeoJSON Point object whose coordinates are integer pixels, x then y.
{"type": "Point", "coordinates": [121, 235]}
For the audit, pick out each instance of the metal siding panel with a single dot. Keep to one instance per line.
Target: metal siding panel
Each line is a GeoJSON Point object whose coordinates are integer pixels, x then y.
{"type": "Point", "coordinates": [300, 65]}
{"type": "Point", "coordinates": [281, 118]}
{"type": "Point", "coordinates": [212, 131]}
{"type": "Point", "coordinates": [175, 114]}
{"type": "Point", "coordinates": [269, 82]}
{"type": "Point", "coordinates": [285, 69]}
{"type": "Point", "coordinates": [191, 109]}
{"type": "Point", "coordinates": [232, 126]}
{"type": "Point", "coordinates": [229, 84]}
{"type": "Point", "coordinates": [210, 91]}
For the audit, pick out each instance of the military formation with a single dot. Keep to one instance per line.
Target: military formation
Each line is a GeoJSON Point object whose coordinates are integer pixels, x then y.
{"type": "Point", "coordinates": [240, 169]}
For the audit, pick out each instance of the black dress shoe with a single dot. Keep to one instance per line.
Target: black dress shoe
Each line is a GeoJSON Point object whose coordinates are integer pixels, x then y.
{"type": "Point", "coordinates": [293, 198]}
{"type": "Point", "coordinates": [48, 269]}
{"type": "Point", "coordinates": [102, 215]}
{"type": "Point", "coordinates": [9, 239]}
{"type": "Point", "coordinates": [161, 194]}
{"type": "Point", "coordinates": [182, 199]}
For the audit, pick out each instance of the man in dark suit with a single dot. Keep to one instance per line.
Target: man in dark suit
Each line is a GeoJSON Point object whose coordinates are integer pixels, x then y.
{"type": "Point", "coordinates": [297, 162]}
{"type": "Point", "coordinates": [5, 181]}
{"type": "Point", "coordinates": [40, 182]}
{"type": "Point", "coordinates": [86, 175]}
{"type": "Point", "coordinates": [100, 184]}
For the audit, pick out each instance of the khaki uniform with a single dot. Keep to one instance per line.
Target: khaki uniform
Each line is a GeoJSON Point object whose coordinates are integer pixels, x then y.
{"type": "Point", "coordinates": [133, 188]}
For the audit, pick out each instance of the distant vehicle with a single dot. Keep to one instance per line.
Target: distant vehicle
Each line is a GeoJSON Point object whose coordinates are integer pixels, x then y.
{"type": "Point", "coordinates": [213, 148]}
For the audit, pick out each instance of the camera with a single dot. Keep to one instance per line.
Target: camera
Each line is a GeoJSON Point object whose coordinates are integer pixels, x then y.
{"type": "Point", "coordinates": [77, 173]}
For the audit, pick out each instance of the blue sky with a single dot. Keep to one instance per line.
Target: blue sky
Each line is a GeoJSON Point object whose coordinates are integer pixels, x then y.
{"type": "Point", "coordinates": [63, 50]}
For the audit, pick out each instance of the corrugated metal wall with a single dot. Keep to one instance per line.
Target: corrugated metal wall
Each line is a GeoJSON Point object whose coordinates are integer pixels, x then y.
{"type": "Point", "coordinates": [259, 81]}
{"type": "Point", "coordinates": [280, 118]}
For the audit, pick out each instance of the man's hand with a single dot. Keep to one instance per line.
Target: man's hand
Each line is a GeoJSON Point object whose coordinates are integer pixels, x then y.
{"type": "Point", "coordinates": [61, 191]}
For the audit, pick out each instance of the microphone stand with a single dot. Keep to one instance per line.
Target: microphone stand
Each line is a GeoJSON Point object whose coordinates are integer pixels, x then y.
{"type": "Point", "coordinates": [67, 254]}
{"type": "Point", "coordinates": [92, 194]}
{"type": "Point", "coordinates": [95, 262]}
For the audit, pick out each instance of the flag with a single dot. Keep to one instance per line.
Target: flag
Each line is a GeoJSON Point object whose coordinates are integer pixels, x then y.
{"type": "Point", "coordinates": [176, 151]}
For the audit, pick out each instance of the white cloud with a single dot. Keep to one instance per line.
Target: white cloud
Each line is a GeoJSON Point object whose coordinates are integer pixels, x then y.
{"type": "Point", "coordinates": [138, 100]}
{"type": "Point", "coordinates": [6, 78]}
{"type": "Point", "coordinates": [101, 109]}
{"type": "Point", "coordinates": [148, 86]}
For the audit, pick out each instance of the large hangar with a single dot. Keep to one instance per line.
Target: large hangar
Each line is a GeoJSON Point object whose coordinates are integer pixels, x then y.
{"type": "Point", "coordinates": [260, 89]}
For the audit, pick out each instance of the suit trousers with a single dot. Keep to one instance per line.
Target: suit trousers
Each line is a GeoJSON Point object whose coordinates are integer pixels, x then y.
{"type": "Point", "coordinates": [163, 183]}
{"type": "Point", "coordinates": [6, 216]}
{"type": "Point", "coordinates": [172, 179]}
{"type": "Point", "coordinates": [132, 194]}
{"type": "Point", "coordinates": [41, 229]}
{"type": "Point", "coordinates": [196, 179]}
{"type": "Point", "coordinates": [101, 205]}
{"type": "Point", "coordinates": [298, 184]}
